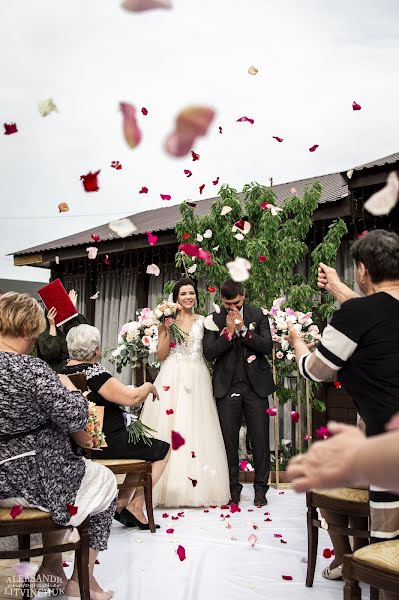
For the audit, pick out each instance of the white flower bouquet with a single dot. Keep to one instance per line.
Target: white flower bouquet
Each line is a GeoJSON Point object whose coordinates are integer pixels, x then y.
{"type": "Point", "coordinates": [168, 310]}
{"type": "Point", "coordinates": [137, 340]}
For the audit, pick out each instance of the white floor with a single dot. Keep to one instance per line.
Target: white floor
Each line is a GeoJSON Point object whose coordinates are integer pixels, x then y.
{"type": "Point", "coordinates": [220, 562]}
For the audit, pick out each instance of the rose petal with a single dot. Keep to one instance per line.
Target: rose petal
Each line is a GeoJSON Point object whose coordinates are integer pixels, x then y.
{"type": "Point", "coordinates": [382, 202]}
{"type": "Point", "coordinates": [97, 562]}
{"type": "Point", "coordinates": [90, 181]}
{"type": "Point", "coordinates": [234, 508]}
{"type": "Point", "coordinates": [165, 196]}
{"type": "Point", "coordinates": [193, 250]}
{"type": "Point", "coordinates": [187, 172]}
{"type": "Point", "coordinates": [252, 70]}
{"type": "Point", "coordinates": [116, 165]}
{"type": "Point", "coordinates": [350, 173]}
{"type": "Point", "coordinates": [57, 260]}
{"type": "Point", "coordinates": [131, 129]}
{"type": "Point", "coordinates": [16, 511]}
{"type": "Point", "coordinates": [95, 296]}
{"type": "Point", "coordinates": [327, 553]}
{"type": "Point", "coordinates": [201, 188]}
{"type": "Point", "coordinates": [72, 509]}
{"type": "Point", "coordinates": [153, 270]}
{"type": "Point", "coordinates": [239, 269]}
{"type": "Point", "coordinates": [239, 236]}
{"type": "Point", "coordinates": [208, 234]}
{"type": "Point", "coordinates": [278, 535]}
{"type": "Point", "coordinates": [337, 385]}
{"type": "Point", "coordinates": [63, 207]}
{"type": "Point", "coordinates": [323, 433]}
{"type": "Point", "coordinates": [251, 358]}
{"type": "Point", "coordinates": [166, 387]}
{"type": "Point", "coordinates": [170, 411]}
{"type": "Point", "coordinates": [244, 119]}
{"type": "Point", "coordinates": [294, 416]}
{"type": "Point", "coordinates": [193, 481]}
{"type": "Point", "coordinates": [283, 541]}
{"type": "Point", "coordinates": [262, 258]}
{"type": "Point", "coordinates": [175, 518]}
{"type": "Point", "coordinates": [10, 128]}
{"type": "Point", "coordinates": [206, 510]}
{"type": "Point", "coordinates": [215, 181]}
{"type": "Point", "coordinates": [278, 139]}
{"type": "Point", "coordinates": [194, 155]}
{"type": "Point", "coordinates": [107, 261]}
{"type": "Point", "coordinates": [142, 5]}
{"type": "Point", "coordinates": [181, 552]}
{"type": "Point", "coordinates": [152, 239]}
{"type": "Point", "coordinates": [307, 437]}
{"type": "Point", "coordinates": [192, 204]}
{"type": "Point", "coordinates": [95, 237]}
{"type": "Point", "coordinates": [271, 411]}
{"type": "Point", "coordinates": [191, 123]}
{"type": "Point", "coordinates": [253, 539]}
{"type": "Point", "coordinates": [144, 111]}
{"type": "Point", "coordinates": [123, 227]}
{"type": "Point", "coordinates": [165, 515]}
{"type": "Point", "coordinates": [225, 210]}
{"type": "Point", "coordinates": [268, 520]}
{"type": "Point", "coordinates": [192, 269]}
{"type": "Point", "coordinates": [313, 148]}
{"type": "Point", "coordinates": [177, 440]}
{"type": "Point", "coordinates": [293, 191]}
{"type": "Point", "coordinates": [287, 577]}
{"type": "Point", "coordinates": [92, 252]}
{"type": "Point", "coordinates": [356, 106]}
{"type": "Point", "coordinates": [193, 454]}
{"type": "Point", "coordinates": [172, 345]}
{"type": "Point", "coordinates": [220, 130]}
{"type": "Point", "coordinates": [46, 107]}
{"type": "Point", "coordinates": [170, 531]}
{"type": "Point", "coordinates": [144, 190]}
{"type": "Point", "coordinates": [365, 232]}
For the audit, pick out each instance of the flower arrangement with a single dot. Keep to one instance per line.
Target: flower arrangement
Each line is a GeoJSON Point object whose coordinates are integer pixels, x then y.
{"type": "Point", "coordinates": [168, 310]}
{"type": "Point", "coordinates": [136, 428]}
{"type": "Point", "coordinates": [92, 436]}
{"type": "Point", "coordinates": [302, 322]}
{"type": "Point", "coordinates": [137, 340]}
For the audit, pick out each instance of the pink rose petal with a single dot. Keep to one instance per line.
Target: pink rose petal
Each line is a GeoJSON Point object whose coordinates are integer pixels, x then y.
{"type": "Point", "coordinates": [170, 531]}
{"type": "Point", "coordinates": [144, 190]}
{"type": "Point", "coordinates": [245, 119]}
{"type": "Point", "coordinates": [165, 196]}
{"type": "Point", "coordinates": [313, 148]}
{"type": "Point", "coordinates": [294, 416]}
{"type": "Point", "coordinates": [177, 440]}
{"type": "Point", "coordinates": [107, 261]}
{"type": "Point", "coordinates": [181, 553]}
{"type": "Point", "coordinates": [152, 239]}
{"type": "Point", "coordinates": [278, 139]}
{"type": "Point", "coordinates": [131, 129]}
{"type": "Point", "coordinates": [253, 539]}
{"type": "Point", "coordinates": [193, 250]}
{"type": "Point", "coordinates": [144, 111]}
{"type": "Point", "coordinates": [92, 252]}
{"type": "Point", "coordinates": [191, 123]}
{"type": "Point", "coordinates": [16, 511]}
{"type": "Point", "coordinates": [383, 201]}
{"type": "Point", "coordinates": [251, 358]}
{"type": "Point", "coordinates": [356, 106]}
{"type": "Point", "coordinates": [201, 188]}
{"type": "Point", "coordinates": [271, 411]}
{"type": "Point", "coordinates": [10, 128]}
{"type": "Point", "coordinates": [323, 433]}
{"type": "Point", "coordinates": [187, 172]}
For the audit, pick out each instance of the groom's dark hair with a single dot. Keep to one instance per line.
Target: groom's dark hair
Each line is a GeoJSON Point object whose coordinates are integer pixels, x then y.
{"type": "Point", "coordinates": [231, 289]}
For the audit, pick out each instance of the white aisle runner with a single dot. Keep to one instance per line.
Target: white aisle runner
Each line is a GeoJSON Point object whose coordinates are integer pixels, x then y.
{"type": "Point", "coordinates": [220, 562]}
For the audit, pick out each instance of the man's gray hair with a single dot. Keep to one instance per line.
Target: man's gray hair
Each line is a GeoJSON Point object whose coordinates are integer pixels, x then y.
{"type": "Point", "coordinates": [83, 341]}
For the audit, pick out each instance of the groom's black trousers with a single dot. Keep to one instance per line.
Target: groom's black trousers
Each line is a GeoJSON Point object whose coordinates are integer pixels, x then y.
{"type": "Point", "coordinates": [231, 409]}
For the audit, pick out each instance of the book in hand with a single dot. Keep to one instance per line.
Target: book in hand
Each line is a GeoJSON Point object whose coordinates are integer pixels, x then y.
{"type": "Point", "coordinates": [54, 294]}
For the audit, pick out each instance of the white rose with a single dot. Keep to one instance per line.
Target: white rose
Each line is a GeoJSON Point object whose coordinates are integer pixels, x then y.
{"type": "Point", "coordinates": [158, 313]}
{"type": "Point", "coordinates": [298, 327]}
{"type": "Point", "coordinates": [308, 322]}
{"type": "Point", "coordinates": [167, 312]}
{"type": "Point", "coordinates": [281, 325]}
{"type": "Point", "coordinates": [291, 319]}
{"type": "Point", "coordinates": [284, 345]}
{"type": "Point", "coordinates": [290, 356]}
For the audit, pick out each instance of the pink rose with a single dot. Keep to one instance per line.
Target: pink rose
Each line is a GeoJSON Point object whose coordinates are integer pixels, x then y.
{"type": "Point", "coordinates": [146, 341]}
{"type": "Point", "coordinates": [147, 331]}
{"type": "Point", "coordinates": [279, 354]}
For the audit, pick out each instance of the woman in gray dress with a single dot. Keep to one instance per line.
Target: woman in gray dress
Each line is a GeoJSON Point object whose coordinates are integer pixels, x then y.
{"type": "Point", "coordinates": [38, 467]}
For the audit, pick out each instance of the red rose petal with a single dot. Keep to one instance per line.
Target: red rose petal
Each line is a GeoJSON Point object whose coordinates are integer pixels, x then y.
{"type": "Point", "coordinates": [166, 388]}
{"type": "Point", "coordinates": [95, 237]}
{"type": "Point", "coordinates": [10, 128]}
{"type": "Point", "coordinates": [287, 577]}
{"type": "Point", "coordinates": [194, 155]}
{"type": "Point", "coordinates": [266, 514]}
{"type": "Point", "coordinates": [165, 515]}
{"type": "Point", "coordinates": [170, 531]}
{"type": "Point", "coordinates": [144, 111]}
{"type": "Point", "coordinates": [180, 514]}
{"type": "Point", "coordinates": [193, 454]}
{"type": "Point", "coordinates": [144, 190]}
{"type": "Point", "coordinates": [90, 181]}
{"type": "Point", "coordinates": [356, 106]}
{"type": "Point", "coordinates": [294, 416]}
{"type": "Point", "coordinates": [72, 509]}
{"type": "Point", "coordinates": [262, 258]}
{"type": "Point", "coordinates": [193, 250]}
{"type": "Point", "coordinates": [211, 289]}
{"type": "Point", "coordinates": [186, 236]}
{"type": "Point", "coordinates": [250, 510]}
{"type": "Point", "coordinates": [244, 119]}
{"type": "Point", "coordinates": [337, 385]}
{"type": "Point", "coordinates": [234, 507]}
{"type": "Point", "coordinates": [220, 129]}
{"type": "Point", "coordinates": [177, 440]}
{"type": "Point", "coordinates": [116, 165]}
{"type": "Point", "coordinates": [165, 196]}
{"type": "Point", "coordinates": [215, 181]}
{"type": "Point", "coordinates": [131, 129]}
{"type": "Point", "coordinates": [152, 239]}
{"type": "Point", "coordinates": [323, 433]}
{"type": "Point", "coordinates": [222, 516]}
{"type": "Point", "coordinates": [227, 516]}
{"type": "Point", "coordinates": [97, 562]}
{"type": "Point", "coordinates": [15, 511]}
{"type": "Point", "coordinates": [224, 507]}
{"type": "Point", "coordinates": [181, 553]}
{"type": "Point", "coordinates": [187, 172]}
{"type": "Point", "coordinates": [106, 261]}
{"type": "Point", "coordinates": [193, 481]}
{"type": "Point", "coordinates": [271, 411]}
{"type": "Point", "coordinates": [278, 535]}
{"type": "Point", "coordinates": [206, 510]}
{"type": "Point", "coordinates": [201, 188]}
{"type": "Point", "coordinates": [267, 520]}
{"type": "Point", "coordinates": [362, 234]}
{"type": "Point", "coordinates": [170, 411]}
{"type": "Point", "coordinates": [327, 553]}
{"type": "Point", "coordinates": [278, 139]}
{"type": "Point", "coordinates": [174, 518]}
{"type": "Point", "coordinates": [172, 345]}
{"type": "Point", "coordinates": [212, 506]}
{"type": "Point", "coordinates": [313, 148]}
{"type": "Point", "coordinates": [65, 564]}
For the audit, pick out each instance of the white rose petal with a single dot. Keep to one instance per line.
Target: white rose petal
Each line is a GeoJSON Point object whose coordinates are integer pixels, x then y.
{"type": "Point", "coordinates": [225, 210]}
{"type": "Point", "coordinates": [200, 238]}
{"type": "Point", "coordinates": [153, 270]}
{"type": "Point", "coordinates": [122, 227]}
{"type": "Point", "coordinates": [192, 269]}
{"type": "Point", "coordinates": [210, 324]}
{"type": "Point", "coordinates": [208, 234]}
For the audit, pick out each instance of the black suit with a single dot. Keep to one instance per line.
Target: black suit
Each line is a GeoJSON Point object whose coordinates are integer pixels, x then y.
{"type": "Point", "coordinates": [243, 387]}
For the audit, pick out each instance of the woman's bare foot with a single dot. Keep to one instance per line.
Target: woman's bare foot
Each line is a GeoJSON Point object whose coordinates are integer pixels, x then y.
{"type": "Point", "coordinates": [51, 578]}
{"type": "Point", "coordinates": [96, 592]}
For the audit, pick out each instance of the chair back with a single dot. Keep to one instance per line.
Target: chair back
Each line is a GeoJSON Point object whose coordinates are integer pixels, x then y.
{"type": "Point", "coordinates": [79, 381]}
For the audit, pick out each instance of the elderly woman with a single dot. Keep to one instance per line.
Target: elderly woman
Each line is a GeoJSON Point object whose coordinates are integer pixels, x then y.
{"type": "Point", "coordinates": [84, 351]}
{"type": "Point", "coordinates": [38, 467]}
{"type": "Point", "coordinates": [361, 343]}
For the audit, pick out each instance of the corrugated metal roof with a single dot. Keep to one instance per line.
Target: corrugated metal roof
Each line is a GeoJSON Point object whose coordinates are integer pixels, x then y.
{"type": "Point", "coordinates": [380, 162]}
{"type": "Point", "coordinates": [163, 219]}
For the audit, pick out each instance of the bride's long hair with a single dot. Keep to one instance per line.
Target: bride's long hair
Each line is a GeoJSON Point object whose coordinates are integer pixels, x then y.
{"type": "Point", "coordinates": [182, 282]}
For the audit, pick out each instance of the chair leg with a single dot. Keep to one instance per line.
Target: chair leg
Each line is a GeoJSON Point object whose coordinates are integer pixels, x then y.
{"type": "Point", "coordinates": [82, 559]}
{"type": "Point", "coordinates": [313, 540]}
{"type": "Point", "coordinates": [24, 544]}
{"type": "Point", "coordinates": [352, 589]}
{"type": "Point", "coordinates": [148, 500]}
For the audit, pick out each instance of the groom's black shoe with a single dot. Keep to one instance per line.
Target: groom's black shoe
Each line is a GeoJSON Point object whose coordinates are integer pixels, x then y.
{"type": "Point", "coordinates": [260, 498]}
{"type": "Point", "coordinates": [235, 497]}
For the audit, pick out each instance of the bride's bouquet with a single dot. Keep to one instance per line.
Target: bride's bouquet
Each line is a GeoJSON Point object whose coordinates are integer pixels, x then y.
{"type": "Point", "coordinates": [302, 322]}
{"type": "Point", "coordinates": [137, 340]}
{"type": "Point", "coordinates": [168, 310]}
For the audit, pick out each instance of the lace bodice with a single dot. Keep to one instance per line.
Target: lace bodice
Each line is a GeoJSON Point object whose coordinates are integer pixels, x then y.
{"type": "Point", "coordinates": [191, 349]}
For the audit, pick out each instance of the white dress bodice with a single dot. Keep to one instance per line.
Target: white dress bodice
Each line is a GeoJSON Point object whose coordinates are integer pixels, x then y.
{"type": "Point", "coordinates": [191, 349]}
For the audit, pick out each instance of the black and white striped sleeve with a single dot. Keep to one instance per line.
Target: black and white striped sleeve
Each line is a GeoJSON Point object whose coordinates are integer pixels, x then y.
{"type": "Point", "coordinates": [340, 338]}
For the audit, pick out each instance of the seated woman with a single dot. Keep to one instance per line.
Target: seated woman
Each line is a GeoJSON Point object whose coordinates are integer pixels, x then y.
{"type": "Point", "coordinates": [38, 467]}
{"type": "Point", "coordinates": [84, 351]}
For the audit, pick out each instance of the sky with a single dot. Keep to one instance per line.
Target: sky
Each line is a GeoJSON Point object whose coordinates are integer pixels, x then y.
{"type": "Point", "coordinates": [314, 59]}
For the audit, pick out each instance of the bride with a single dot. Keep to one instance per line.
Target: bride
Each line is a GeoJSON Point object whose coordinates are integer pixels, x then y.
{"type": "Point", "coordinates": [197, 473]}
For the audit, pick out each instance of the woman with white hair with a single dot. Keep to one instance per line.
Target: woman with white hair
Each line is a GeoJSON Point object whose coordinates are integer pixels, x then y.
{"type": "Point", "coordinates": [84, 351]}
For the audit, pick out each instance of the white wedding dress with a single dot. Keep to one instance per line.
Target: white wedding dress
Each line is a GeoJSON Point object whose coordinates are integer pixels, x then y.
{"type": "Point", "coordinates": [197, 473]}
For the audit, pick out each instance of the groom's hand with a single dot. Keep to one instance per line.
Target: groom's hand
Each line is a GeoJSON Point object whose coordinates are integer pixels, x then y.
{"type": "Point", "coordinates": [238, 320]}
{"type": "Point", "coordinates": [231, 326]}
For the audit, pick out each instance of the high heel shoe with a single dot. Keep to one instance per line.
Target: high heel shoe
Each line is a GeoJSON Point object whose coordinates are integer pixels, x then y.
{"type": "Point", "coordinates": [129, 520]}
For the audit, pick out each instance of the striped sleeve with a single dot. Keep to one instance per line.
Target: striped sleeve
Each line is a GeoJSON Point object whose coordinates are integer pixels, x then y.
{"type": "Point", "coordinates": [340, 338]}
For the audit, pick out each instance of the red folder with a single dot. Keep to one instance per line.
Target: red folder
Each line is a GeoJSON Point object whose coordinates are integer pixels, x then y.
{"type": "Point", "coordinates": [54, 294]}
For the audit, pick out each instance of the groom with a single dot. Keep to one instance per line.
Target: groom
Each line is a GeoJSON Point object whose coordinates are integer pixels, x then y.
{"type": "Point", "coordinates": [242, 382]}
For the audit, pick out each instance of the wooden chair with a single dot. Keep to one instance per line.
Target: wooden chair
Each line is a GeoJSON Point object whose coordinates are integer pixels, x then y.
{"type": "Point", "coordinates": [37, 521]}
{"type": "Point", "coordinates": [124, 466]}
{"type": "Point", "coordinates": [377, 565]}
{"type": "Point", "coordinates": [345, 501]}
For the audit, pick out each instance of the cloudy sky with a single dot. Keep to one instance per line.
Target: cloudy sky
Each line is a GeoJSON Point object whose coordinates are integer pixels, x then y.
{"type": "Point", "coordinates": [314, 59]}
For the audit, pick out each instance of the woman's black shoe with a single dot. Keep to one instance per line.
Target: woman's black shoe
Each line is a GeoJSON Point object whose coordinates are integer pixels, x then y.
{"type": "Point", "coordinates": [122, 519]}
{"type": "Point", "coordinates": [129, 520]}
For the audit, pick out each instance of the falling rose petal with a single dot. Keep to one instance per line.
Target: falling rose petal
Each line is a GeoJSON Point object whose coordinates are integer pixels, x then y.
{"type": "Point", "coordinates": [177, 440]}
{"type": "Point", "coordinates": [365, 232]}
{"type": "Point", "coordinates": [153, 270]}
{"type": "Point", "coordinates": [287, 577]}
{"type": "Point", "coordinates": [313, 148]}
{"type": "Point", "coordinates": [262, 259]}
{"type": "Point", "coordinates": [180, 514]}
{"type": "Point", "coordinates": [57, 260]}
{"type": "Point", "coordinates": [186, 236]}
{"type": "Point", "coordinates": [144, 111]}
{"type": "Point", "coordinates": [181, 553]}
{"type": "Point", "coordinates": [281, 493]}
{"type": "Point", "coordinates": [220, 130]}
{"type": "Point", "coordinates": [46, 107]}
{"type": "Point", "coordinates": [193, 250]}
{"type": "Point", "coordinates": [212, 290]}
{"type": "Point", "coordinates": [225, 210]}
{"type": "Point", "coordinates": [327, 553]}
{"type": "Point", "coordinates": [95, 237]}
{"type": "Point", "coordinates": [337, 385]}
{"type": "Point", "coordinates": [229, 525]}
{"type": "Point", "coordinates": [278, 535]}
{"type": "Point", "coordinates": [253, 539]}
{"type": "Point", "coordinates": [142, 5]}
{"type": "Point", "coordinates": [208, 234]}
{"type": "Point", "coordinates": [200, 237]}
{"type": "Point", "coordinates": [191, 123]}
{"type": "Point", "coordinates": [349, 173]}
{"type": "Point", "coordinates": [192, 204]}
{"type": "Point", "coordinates": [116, 165]}
{"type": "Point", "coordinates": [268, 520]}
{"type": "Point", "coordinates": [166, 388]}
{"type": "Point", "coordinates": [382, 202]}
{"type": "Point", "coordinates": [216, 308]}
{"type": "Point", "coordinates": [216, 248]}
{"type": "Point", "coordinates": [72, 509]}
{"type": "Point", "coordinates": [215, 181]}
{"type": "Point", "coordinates": [131, 129]}
{"type": "Point", "coordinates": [193, 454]}
{"type": "Point", "coordinates": [253, 70]}
{"type": "Point", "coordinates": [201, 188]}
{"type": "Point", "coordinates": [10, 128]}
{"type": "Point", "coordinates": [92, 252]}
{"type": "Point", "coordinates": [166, 196]}
{"type": "Point", "coordinates": [283, 542]}
{"type": "Point", "coordinates": [224, 507]}
{"type": "Point", "coordinates": [144, 190]}
{"type": "Point", "coordinates": [271, 411]}
{"type": "Point", "coordinates": [251, 359]}
{"type": "Point", "coordinates": [107, 261]}
{"type": "Point", "coordinates": [123, 227]}
{"type": "Point", "coordinates": [90, 181]}
{"type": "Point", "coordinates": [187, 172]}
{"type": "Point", "coordinates": [15, 511]}
{"type": "Point", "coordinates": [63, 207]}
{"type": "Point", "coordinates": [165, 515]}
{"type": "Point", "coordinates": [175, 518]}
{"type": "Point", "coordinates": [323, 433]}
{"type": "Point", "coordinates": [239, 269]}
{"type": "Point", "coordinates": [356, 106]}
{"type": "Point", "coordinates": [278, 139]}
{"type": "Point", "coordinates": [194, 155]}
{"type": "Point", "coordinates": [245, 119]}
{"type": "Point", "coordinates": [239, 236]}
{"type": "Point", "coordinates": [152, 239]}
{"type": "Point", "coordinates": [97, 562]}
{"type": "Point", "coordinates": [95, 296]}
{"type": "Point", "coordinates": [170, 531]}
{"type": "Point", "coordinates": [193, 481]}
{"type": "Point", "coordinates": [170, 411]}
{"type": "Point", "coordinates": [294, 416]}
{"type": "Point", "coordinates": [234, 508]}
{"type": "Point", "coordinates": [25, 570]}
{"type": "Point", "coordinates": [307, 437]}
